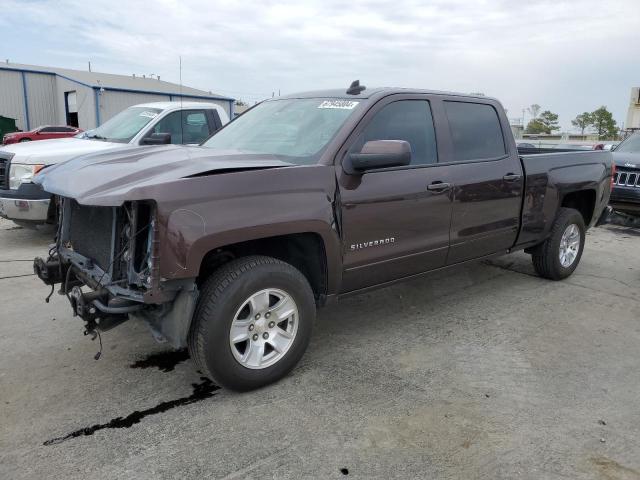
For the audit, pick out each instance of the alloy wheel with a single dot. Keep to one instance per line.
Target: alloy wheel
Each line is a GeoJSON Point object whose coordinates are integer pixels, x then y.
{"type": "Point", "coordinates": [264, 328]}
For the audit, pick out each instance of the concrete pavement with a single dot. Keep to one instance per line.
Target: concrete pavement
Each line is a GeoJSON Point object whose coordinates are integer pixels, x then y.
{"type": "Point", "coordinates": [483, 372]}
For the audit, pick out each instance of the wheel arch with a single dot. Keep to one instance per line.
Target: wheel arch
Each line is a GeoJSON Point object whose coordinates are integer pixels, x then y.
{"type": "Point", "coordinates": [310, 252]}
{"type": "Point", "coordinates": [584, 201]}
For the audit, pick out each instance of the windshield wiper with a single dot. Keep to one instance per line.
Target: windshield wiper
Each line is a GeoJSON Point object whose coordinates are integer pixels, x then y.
{"type": "Point", "coordinates": [96, 136]}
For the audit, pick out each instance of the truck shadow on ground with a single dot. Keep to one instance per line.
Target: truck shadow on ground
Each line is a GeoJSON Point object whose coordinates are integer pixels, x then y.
{"type": "Point", "coordinates": [622, 220]}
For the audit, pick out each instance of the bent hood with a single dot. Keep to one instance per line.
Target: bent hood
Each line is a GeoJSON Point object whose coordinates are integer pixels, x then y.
{"type": "Point", "coordinates": [111, 177]}
{"type": "Point", "coordinates": [51, 152]}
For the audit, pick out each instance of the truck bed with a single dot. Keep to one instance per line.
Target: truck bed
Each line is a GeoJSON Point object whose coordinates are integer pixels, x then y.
{"type": "Point", "coordinates": [550, 178]}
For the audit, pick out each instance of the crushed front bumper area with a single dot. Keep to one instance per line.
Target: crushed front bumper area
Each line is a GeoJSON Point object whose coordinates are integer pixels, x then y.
{"type": "Point", "coordinates": [104, 307]}
{"type": "Point", "coordinates": [106, 262]}
{"type": "Point", "coordinates": [97, 307]}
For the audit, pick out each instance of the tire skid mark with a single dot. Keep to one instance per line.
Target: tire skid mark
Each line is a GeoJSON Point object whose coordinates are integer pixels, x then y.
{"type": "Point", "coordinates": [18, 276]}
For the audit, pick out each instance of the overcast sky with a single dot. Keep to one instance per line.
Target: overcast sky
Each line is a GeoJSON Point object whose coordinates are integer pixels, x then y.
{"type": "Point", "coordinates": [566, 56]}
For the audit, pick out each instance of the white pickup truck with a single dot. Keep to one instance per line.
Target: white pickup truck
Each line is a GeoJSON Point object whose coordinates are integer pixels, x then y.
{"type": "Point", "coordinates": [181, 123]}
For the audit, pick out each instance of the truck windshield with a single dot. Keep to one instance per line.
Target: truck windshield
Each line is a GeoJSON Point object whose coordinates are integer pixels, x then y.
{"type": "Point", "coordinates": [298, 129]}
{"type": "Point", "coordinates": [630, 145]}
{"type": "Point", "coordinates": [124, 126]}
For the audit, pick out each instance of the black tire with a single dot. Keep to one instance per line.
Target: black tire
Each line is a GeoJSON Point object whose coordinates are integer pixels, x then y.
{"type": "Point", "coordinates": [546, 257]}
{"type": "Point", "coordinates": [24, 140]}
{"type": "Point", "coordinates": [222, 295]}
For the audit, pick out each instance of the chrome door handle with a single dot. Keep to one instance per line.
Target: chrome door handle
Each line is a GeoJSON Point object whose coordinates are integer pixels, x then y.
{"type": "Point", "coordinates": [438, 187]}
{"type": "Point", "coordinates": [511, 177]}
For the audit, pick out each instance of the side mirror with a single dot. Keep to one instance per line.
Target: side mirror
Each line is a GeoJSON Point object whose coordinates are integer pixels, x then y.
{"type": "Point", "coordinates": [157, 139]}
{"type": "Point", "coordinates": [379, 154]}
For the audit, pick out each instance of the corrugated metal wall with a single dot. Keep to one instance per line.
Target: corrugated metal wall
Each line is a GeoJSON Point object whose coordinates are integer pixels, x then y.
{"type": "Point", "coordinates": [85, 99]}
{"type": "Point", "coordinates": [41, 92]}
{"type": "Point", "coordinates": [113, 102]}
{"type": "Point", "coordinates": [46, 100]}
{"type": "Point", "coordinates": [11, 97]}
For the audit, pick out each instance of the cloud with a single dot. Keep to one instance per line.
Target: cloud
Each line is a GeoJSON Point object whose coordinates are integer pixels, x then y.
{"type": "Point", "coordinates": [566, 56]}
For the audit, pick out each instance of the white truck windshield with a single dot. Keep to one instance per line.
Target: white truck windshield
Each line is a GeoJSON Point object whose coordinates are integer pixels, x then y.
{"type": "Point", "coordinates": [124, 126]}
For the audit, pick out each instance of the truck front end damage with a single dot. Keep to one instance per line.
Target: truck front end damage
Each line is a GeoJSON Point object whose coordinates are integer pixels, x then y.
{"type": "Point", "coordinates": [106, 261]}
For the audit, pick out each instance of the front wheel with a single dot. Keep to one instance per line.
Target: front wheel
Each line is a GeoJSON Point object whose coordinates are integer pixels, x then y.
{"type": "Point", "coordinates": [252, 323]}
{"type": "Point", "coordinates": [560, 254]}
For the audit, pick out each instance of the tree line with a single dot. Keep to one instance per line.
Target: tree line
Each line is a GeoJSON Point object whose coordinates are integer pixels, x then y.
{"type": "Point", "coordinates": [600, 121]}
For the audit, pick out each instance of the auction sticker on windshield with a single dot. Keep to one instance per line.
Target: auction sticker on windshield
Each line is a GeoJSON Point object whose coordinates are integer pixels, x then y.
{"type": "Point", "coordinates": [149, 114]}
{"type": "Point", "coordinates": [341, 104]}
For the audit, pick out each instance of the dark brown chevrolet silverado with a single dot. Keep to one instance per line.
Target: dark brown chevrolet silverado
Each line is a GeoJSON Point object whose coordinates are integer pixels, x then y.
{"type": "Point", "coordinates": [229, 248]}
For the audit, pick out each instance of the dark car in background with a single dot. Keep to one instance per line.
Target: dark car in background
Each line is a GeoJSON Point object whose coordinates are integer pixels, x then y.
{"type": "Point", "coordinates": [625, 196]}
{"type": "Point", "coordinates": [47, 132]}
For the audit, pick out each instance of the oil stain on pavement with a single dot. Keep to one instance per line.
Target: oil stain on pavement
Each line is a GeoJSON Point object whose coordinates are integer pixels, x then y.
{"type": "Point", "coordinates": [201, 391]}
{"type": "Point", "coordinates": [163, 361]}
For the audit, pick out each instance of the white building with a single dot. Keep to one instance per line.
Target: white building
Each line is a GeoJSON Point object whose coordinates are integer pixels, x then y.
{"type": "Point", "coordinates": [37, 96]}
{"type": "Point", "coordinates": [633, 114]}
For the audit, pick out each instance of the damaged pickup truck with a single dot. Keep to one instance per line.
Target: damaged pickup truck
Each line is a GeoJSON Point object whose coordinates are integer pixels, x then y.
{"type": "Point", "coordinates": [229, 248]}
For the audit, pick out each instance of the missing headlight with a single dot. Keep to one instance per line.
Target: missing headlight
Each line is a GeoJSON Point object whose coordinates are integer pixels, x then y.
{"type": "Point", "coordinates": [137, 243]}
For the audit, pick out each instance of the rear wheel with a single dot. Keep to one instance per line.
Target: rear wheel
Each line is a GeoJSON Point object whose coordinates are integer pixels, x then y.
{"type": "Point", "coordinates": [559, 255]}
{"type": "Point", "coordinates": [253, 322]}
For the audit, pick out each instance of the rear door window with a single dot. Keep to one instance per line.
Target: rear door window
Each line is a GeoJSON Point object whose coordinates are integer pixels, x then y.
{"type": "Point", "coordinates": [196, 129]}
{"type": "Point", "coordinates": [185, 127]}
{"type": "Point", "coordinates": [475, 131]}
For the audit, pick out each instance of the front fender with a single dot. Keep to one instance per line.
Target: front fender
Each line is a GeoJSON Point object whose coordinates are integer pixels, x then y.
{"type": "Point", "coordinates": [249, 206]}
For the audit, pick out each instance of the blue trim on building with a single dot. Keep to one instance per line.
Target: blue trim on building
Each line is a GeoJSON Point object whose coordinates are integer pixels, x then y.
{"type": "Point", "coordinates": [71, 80]}
{"type": "Point", "coordinates": [26, 101]}
{"type": "Point", "coordinates": [96, 96]}
{"type": "Point", "coordinates": [11, 69]}
{"type": "Point", "coordinates": [115, 89]}
{"type": "Point", "coordinates": [43, 72]}
{"type": "Point", "coordinates": [153, 92]}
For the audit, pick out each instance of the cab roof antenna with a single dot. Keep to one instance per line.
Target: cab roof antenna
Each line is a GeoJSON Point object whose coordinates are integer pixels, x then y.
{"type": "Point", "coordinates": [356, 88]}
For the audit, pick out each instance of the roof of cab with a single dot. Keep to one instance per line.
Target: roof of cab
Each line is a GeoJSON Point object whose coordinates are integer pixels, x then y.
{"type": "Point", "coordinates": [177, 105]}
{"type": "Point", "coordinates": [377, 92]}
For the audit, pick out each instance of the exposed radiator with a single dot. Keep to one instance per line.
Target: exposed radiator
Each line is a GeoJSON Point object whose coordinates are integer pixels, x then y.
{"type": "Point", "coordinates": [91, 232]}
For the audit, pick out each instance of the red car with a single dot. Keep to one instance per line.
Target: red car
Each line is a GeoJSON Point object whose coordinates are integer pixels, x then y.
{"type": "Point", "coordinates": [41, 133]}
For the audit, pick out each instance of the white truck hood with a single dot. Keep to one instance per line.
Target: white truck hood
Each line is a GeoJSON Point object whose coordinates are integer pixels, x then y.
{"type": "Point", "coordinates": [50, 152]}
